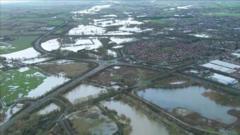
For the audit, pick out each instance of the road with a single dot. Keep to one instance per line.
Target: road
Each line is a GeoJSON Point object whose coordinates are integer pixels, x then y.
{"type": "Point", "coordinates": [55, 92]}
{"type": "Point", "coordinates": [40, 102]}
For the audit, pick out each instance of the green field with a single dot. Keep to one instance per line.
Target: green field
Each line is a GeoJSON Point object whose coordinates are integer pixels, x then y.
{"type": "Point", "coordinates": [158, 21]}
{"type": "Point", "coordinates": [229, 4]}
{"type": "Point", "coordinates": [223, 14]}
{"type": "Point", "coordinates": [161, 22]}
{"type": "Point", "coordinates": [55, 22]}
{"type": "Point", "coordinates": [15, 84]}
{"type": "Point", "coordinates": [6, 32]}
{"type": "Point", "coordinates": [19, 43]}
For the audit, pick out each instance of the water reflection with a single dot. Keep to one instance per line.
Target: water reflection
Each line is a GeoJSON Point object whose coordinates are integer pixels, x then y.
{"type": "Point", "coordinates": [83, 92]}
{"type": "Point", "coordinates": [140, 123]}
{"type": "Point", "coordinates": [191, 98]}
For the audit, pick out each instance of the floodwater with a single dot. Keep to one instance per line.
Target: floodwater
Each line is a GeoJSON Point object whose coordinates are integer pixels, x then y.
{"type": "Point", "coordinates": [190, 98]}
{"type": "Point", "coordinates": [94, 121]}
{"type": "Point", "coordinates": [48, 109]}
{"type": "Point", "coordinates": [48, 84]}
{"type": "Point", "coordinates": [10, 112]}
{"type": "Point", "coordinates": [22, 54]}
{"type": "Point", "coordinates": [83, 92]}
{"type": "Point", "coordinates": [35, 60]}
{"type": "Point", "coordinates": [140, 123]}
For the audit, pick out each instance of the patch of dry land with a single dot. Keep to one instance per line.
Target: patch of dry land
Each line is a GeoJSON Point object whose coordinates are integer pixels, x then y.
{"type": "Point", "coordinates": [92, 121]}
{"type": "Point", "coordinates": [124, 76]}
{"type": "Point", "coordinates": [68, 68]}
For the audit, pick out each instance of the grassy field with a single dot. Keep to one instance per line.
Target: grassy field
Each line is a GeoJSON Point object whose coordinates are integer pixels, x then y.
{"type": "Point", "coordinates": [70, 69]}
{"type": "Point", "coordinates": [84, 126]}
{"type": "Point", "coordinates": [159, 21]}
{"type": "Point", "coordinates": [55, 22]}
{"type": "Point", "coordinates": [223, 14]}
{"type": "Point", "coordinates": [19, 43]}
{"type": "Point", "coordinates": [14, 83]}
{"type": "Point", "coordinates": [229, 4]}
{"type": "Point", "coordinates": [6, 32]}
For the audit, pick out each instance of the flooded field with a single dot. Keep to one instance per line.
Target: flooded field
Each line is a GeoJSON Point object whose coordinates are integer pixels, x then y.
{"type": "Point", "coordinates": [18, 82]}
{"type": "Point", "coordinates": [191, 98]}
{"type": "Point", "coordinates": [22, 54]}
{"type": "Point", "coordinates": [26, 82]}
{"type": "Point", "coordinates": [92, 122]}
{"type": "Point", "coordinates": [83, 92]}
{"type": "Point", "coordinates": [72, 45]}
{"type": "Point", "coordinates": [48, 84]}
{"type": "Point", "coordinates": [18, 44]}
{"type": "Point", "coordinates": [48, 109]}
{"type": "Point", "coordinates": [5, 116]}
{"type": "Point", "coordinates": [119, 67]}
{"type": "Point", "coordinates": [140, 123]}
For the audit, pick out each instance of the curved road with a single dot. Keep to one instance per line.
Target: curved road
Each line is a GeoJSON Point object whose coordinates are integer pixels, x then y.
{"type": "Point", "coordinates": [38, 103]}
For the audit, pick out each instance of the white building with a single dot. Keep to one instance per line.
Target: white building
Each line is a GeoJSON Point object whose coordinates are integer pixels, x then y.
{"type": "Point", "coordinates": [223, 79]}
{"type": "Point", "coordinates": [222, 66]}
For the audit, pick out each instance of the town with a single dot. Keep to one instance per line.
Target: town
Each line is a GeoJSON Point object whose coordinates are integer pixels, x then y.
{"type": "Point", "coordinates": [118, 67]}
